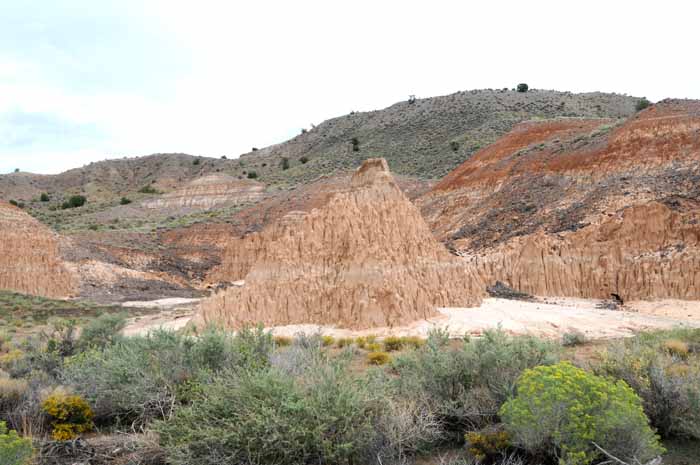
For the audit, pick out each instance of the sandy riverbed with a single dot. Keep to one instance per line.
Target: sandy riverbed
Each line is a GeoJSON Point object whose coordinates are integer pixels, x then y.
{"type": "Point", "coordinates": [548, 317]}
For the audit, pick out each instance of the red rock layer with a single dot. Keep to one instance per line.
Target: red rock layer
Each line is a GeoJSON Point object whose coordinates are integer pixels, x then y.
{"type": "Point", "coordinates": [582, 208]}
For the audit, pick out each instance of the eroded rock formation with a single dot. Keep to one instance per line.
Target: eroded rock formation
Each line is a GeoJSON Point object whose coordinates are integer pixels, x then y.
{"type": "Point", "coordinates": [582, 208]}
{"type": "Point", "coordinates": [644, 252]}
{"type": "Point", "coordinates": [365, 259]}
{"type": "Point", "coordinates": [29, 258]}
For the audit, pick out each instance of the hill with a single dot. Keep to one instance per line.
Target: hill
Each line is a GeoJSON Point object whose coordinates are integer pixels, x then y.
{"type": "Point", "coordinates": [582, 207]}
{"type": "Point", "coordinates": [426, 138]}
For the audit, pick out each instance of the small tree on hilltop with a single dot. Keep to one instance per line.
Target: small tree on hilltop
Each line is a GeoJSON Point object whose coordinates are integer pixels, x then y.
{"type": "Point", "coordinates": [522, 87]}
{"type": "Point", "coordinates": [642, 103]}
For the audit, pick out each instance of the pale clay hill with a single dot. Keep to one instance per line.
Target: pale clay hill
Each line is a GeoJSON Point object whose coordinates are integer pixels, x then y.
{"type": "Point", "coordinates": [29, 257]}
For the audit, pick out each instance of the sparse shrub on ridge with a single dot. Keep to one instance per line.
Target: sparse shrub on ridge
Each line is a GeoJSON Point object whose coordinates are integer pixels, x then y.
{"type": "Point", "coordinates": [124, 201]}
{"type": "Point", "coordinates": [522, 87]}
{"type": "Point", "coordinates": [148, 189]}
{"type": "Point", "coordinates": [642, 103]}
{"type": "Point", "coordinates": [561, 410]}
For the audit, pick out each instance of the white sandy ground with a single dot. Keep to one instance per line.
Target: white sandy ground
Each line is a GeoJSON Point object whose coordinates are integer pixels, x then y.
{"type": "Point", "coordinates": [548, 317]}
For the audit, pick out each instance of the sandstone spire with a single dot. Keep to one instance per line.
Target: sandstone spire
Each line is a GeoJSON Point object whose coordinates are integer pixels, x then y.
{"type": "Point", "coordinates": [365, 259]}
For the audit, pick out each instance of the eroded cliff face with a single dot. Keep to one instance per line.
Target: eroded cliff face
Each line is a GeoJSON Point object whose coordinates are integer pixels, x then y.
{"type": "Point", "coordinates": [644, 252]}
{"type": "Point", "coordinates": [582, 208]}
{"type": "Point", "coordinates": [29, 257]}
{"type": "Point", "coordinates": [364, 259]}
{"type": "Point", "coordinates": [208, 192]}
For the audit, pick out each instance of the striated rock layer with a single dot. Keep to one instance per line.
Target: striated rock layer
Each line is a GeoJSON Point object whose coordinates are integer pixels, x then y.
{"type": "Point", "coordinates": [582, 208]}
{"type": "Point", "coordinates": [29, 257]}
{"type": "Point", "coordinates": [365, 259]}
{"type": "Point", "coordinates": [208, 192]}
{"type": "Point", "coordinates": [645, 252]}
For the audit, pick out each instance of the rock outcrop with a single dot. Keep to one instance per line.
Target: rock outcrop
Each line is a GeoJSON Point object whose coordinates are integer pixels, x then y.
{"type": "Point", "coordinates": [208, 192]}
{"type": "Point", "coordinates": [645, 252]}
{"type": "Point", "coordinates": [29, 257]}
{"type": "Point", "coordinates": [582, 208]}
{"type": "Point", "coordinates": [365, 259]}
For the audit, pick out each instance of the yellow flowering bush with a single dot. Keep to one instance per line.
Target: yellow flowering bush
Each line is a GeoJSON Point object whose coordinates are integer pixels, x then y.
{"type": "Point", "coordinates": [69, 416]}
{"type": "Point", "coordinates": [487, 443]}
{"type": "Point", "coordinates": [378, 358]}
{"type": "Point", "coordinates": [562, 410]}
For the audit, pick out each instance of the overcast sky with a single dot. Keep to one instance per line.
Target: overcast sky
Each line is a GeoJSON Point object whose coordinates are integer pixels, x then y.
{"type": "Point", "coordinates": [84, 80]}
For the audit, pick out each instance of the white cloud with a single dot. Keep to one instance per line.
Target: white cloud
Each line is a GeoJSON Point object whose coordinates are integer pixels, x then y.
{"type": "Point", "coordinates": [218, 77]}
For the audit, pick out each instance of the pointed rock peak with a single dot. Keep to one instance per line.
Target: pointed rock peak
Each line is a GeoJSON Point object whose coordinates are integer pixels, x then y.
{"type": "Point", "coordinates": [372, 171]}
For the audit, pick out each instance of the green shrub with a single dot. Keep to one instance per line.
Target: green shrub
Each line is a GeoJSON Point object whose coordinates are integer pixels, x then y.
{"type": "Point", "coordinates": [124, 201]}
{"type": "Point", "coordinates": [561, 410]}
{"type": "Point", "coordinates": [69, 415]}
{"type": "Point", "coordinates": [284, 164]}
{"type": "Point", "coordinates": [252, 175]}
{"type": "Point", "coordinates": [344, 342]}
{"type": "Point", "coordinates": [465, 387]}
{"type": "Point", "coordinates": [327, 341]}
{"type": "Point", "coordinates": [74, 201]}
{"type": "Point", "coordinates": [573, 338]}
{"type": "Point", "coordinates": [44, 197]}
{"type": "Point", "coordinates": [14, 450]}
{"type": "Point", "coordinates": [642, 103]}
{"type": "Point", "coordinates": [102, 331]}
{"type": "Point", "coordinates": [522, 87]}
{"type": "Point", "coordinates": [378, 358]}
{"type": "Point", "coordinates": [196, 161]}
{"type": "Point", "coordinates": [304, 160]}
{"type": "Point", "coordinates": [148, 189]}
{"type": "Point", "coordinates": [668, 383]}
{"type": "Point", "coordinates": [266, 416]}
{"type": "Point", "coordinates": [138, 379]}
